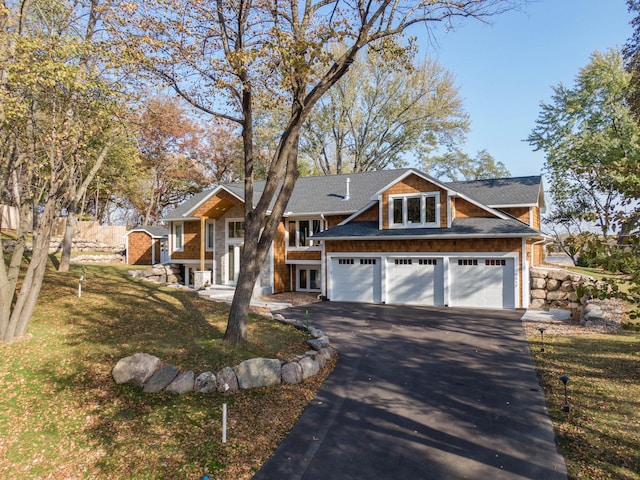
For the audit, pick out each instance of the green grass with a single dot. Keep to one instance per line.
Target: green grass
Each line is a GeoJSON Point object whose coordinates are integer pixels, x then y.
{"type": "Point", "coordinates": [62, 416]}
{"type": "Point", "coordinates": [600, 436]}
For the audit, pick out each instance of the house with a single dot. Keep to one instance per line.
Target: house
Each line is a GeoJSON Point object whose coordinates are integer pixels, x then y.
{"type": "Point", "coordinates": [147, 245]}
{"type": "Point", "coordinates": [390, 236]}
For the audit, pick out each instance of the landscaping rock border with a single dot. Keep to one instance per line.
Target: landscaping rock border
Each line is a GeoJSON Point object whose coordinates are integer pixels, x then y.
{"type": "Point", "coordinates": [159, 273]}
{"type": "Point", "coordinates": [154, 375]}
{"type": "Point", "coordinates": [557, 288]}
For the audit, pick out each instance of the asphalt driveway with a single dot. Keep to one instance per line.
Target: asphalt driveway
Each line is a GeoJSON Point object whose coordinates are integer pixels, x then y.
{"type": "Point", "coordinates": [421, 393]}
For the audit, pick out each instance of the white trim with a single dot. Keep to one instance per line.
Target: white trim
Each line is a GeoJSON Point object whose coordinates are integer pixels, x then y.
{"type": "Point", "coordinates": [526, 288]}
{"type": "Point", "coordinates": [531, 217]}
{"type": "Point", "coordinates": [304, 262]}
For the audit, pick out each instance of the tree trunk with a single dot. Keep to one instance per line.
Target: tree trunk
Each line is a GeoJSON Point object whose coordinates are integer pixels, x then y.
{"type": "Point", "coordinates": [67, 240]}
{"type": "Point", "coordinates": [32, 282]}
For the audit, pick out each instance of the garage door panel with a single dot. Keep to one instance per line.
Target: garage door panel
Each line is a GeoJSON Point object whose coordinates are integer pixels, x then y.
{"type": "Point", "coordinates": [415, 281]}
{"type": "Point", "coordinates": [487, 283]}
{"type": "Point", "coordinates": [355, 280]}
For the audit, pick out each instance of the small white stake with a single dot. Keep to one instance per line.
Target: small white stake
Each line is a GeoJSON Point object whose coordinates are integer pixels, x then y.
{"type": "Point", "coordinates": [224, 423]}
{"type": "Point", "coordinates": [79, 289]}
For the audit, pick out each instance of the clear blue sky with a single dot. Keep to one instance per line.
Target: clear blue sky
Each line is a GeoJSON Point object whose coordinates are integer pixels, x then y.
{"type": "Point", "coordinates": [505, 69]}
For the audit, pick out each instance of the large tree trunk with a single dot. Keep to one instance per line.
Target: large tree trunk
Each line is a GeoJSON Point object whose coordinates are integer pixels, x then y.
{"type": "Point", "coordinates": [25, 303]}
{"type": "Point", "coordinates": [67, 240]}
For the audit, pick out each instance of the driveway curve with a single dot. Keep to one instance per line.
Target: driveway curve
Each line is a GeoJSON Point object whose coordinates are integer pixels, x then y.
{"type": "Point", "coordinates": [421, 393]}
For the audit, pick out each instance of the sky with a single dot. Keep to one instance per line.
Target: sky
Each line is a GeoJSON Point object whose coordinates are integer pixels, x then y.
{"type": "Point", "coordinates": [506, 68]}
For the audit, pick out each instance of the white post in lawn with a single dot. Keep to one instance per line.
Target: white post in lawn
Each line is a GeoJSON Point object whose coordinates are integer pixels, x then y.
{"type": "Point", "coordinates": [224, 416]}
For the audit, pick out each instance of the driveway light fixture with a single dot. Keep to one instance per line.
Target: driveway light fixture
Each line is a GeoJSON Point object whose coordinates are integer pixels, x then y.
{"type": "Point", "coordinates": [541, 330]}
{"type": "Point", "coordinates": [565, 379]}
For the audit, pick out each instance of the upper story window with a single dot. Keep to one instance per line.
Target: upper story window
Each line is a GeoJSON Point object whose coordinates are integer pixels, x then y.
{"type": "Point", "coordinates": [178, 237]}
{"type": "Point", "coordinates": [302, 231]}
{"type": "Point", "coordinates": [413, 211]}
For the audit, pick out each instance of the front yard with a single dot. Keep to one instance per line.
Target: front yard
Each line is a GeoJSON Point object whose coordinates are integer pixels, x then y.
{"type": "Point", "coordinates": [600, 435]}
{"type": "Point", "coordinates": [62, 416]}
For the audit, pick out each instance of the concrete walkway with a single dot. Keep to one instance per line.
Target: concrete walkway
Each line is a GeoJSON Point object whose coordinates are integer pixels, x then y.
{"type": "Point", "coordinates": [223, 293]}
{"type": "Point", "coordinates": [421, 393]}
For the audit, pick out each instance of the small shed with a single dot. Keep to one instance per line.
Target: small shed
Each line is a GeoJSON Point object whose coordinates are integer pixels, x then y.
{"type": "Point", "coordinates": [147, 245]}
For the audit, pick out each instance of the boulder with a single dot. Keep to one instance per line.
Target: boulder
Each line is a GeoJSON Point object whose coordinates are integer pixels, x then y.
{"type": "Point", "coordinates": [553, 284]}
{"type": "Point", "coordinates": [309, 367]}
{"type": "Point", "coordinates": [561, 275]}
{"type": "Point", "coordinates": [205, 383]}
{"type": "Point", "coordinates": [316, 332]}
{"type": "Point", "coordinates": [538, 273]}
{"type": "Point", "coordinates": [542, 294]}
{"type": "Point", "coordinates": [318, 343]}
{"type": "Point", "coordinates": [258, 372]}
{"type": "Point", "coordinates": [136, 369]}
{"type": "Point", "coordinates": [537, 303]}
{"type": "Point", "coordinates": [557, 296]}
{"type": "Point", "coordinates": [182, 384]}
{"type": "Point", "coordinates": [278, 316]}
{"type": "Point", "coordinates": [161, 379]}
{"type": "Point", "coordinates": [326, 352]}
{"type": "Point", "coordinates": [291, 373]}
{"type": "Point", "coordinates": [227, 380]}
{"type": "Point", "coordinates": [538, 283]}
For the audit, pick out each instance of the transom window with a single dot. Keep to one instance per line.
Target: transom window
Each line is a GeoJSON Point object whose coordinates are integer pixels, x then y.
{"type": "Point", "coordinates": [235, 229]}
{"type": "Point", "coordinates": [302, 231]}
{"type": "Point", "coordinates": [412, 211]}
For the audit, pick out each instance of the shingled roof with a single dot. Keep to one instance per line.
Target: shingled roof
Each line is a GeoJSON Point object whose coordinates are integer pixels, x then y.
{"type": "Point", "coordinates": [502, 192]}
{"type": "Point", "coordinates": [327, 193]}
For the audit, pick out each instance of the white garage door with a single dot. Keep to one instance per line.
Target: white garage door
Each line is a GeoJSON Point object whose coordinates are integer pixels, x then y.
{"type": "Point", "coordinates": [415, 281]}
{"type": "Point", "coordinates": [482, 282]}
{"type": "Point", "coordinates": [355, 280]}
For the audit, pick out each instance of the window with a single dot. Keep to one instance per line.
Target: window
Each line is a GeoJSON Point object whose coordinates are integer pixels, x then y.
{"type": "Point", "coordinates": [301, 232]}
{"type": "Point", "coordinates": [413, 211]}
{"type": "Point", "coordinates": [235, 229]}
{"type": "Point", "coordinates": [495, 263]}
{"type": "Point", "coordinates": [308, 279]}
{"type": "Point", "coordinates": [210, 234]}
{"type": "Point", "coordinates": [367, 261]}
{"type": "Point", "coordinates": [345, 261]}
{"type": "Point", "coordinates": [178, 237]}
{"type": "Point", "coordinates": [427, 261]}
{"type": "Point", "coordinates": [467, 262]}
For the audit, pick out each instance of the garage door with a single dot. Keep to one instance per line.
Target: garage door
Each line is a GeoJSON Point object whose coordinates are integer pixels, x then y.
{"type": "Point", "coordinates": [482, 282]}
{"type": "Point", "coordinates": [415, 281]}
{"type": "Point", "coordinates": [355, 280]}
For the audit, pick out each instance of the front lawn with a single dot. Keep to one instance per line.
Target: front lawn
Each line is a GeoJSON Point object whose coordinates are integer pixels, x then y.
{"type": "Point", "coordinates": [600, 435]}
{"type": "Point", "coordinates": [62, 416]}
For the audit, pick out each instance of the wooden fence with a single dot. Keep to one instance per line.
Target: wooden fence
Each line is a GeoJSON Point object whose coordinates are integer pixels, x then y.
{"type": "Point", "coordinates": [93, 231]}
{"type": "Point", "coordinates": [8, 217]}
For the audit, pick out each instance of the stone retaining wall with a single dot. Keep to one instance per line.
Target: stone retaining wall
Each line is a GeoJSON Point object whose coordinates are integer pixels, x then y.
{"type": "Point", "coordinates": [78, 245]}
{"type": "Point", "coordinates": [158, 274]}
{"type": "Point", "coordinates": [555, 288]}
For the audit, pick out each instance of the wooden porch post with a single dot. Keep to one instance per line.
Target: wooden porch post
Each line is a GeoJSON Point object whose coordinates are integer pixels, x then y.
{"type": "Point", "coordinates": [203, 222]}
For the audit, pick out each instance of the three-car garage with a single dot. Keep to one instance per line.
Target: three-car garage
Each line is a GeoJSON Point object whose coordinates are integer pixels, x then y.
{"type": "Point", "coordinates": [485, 281]}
